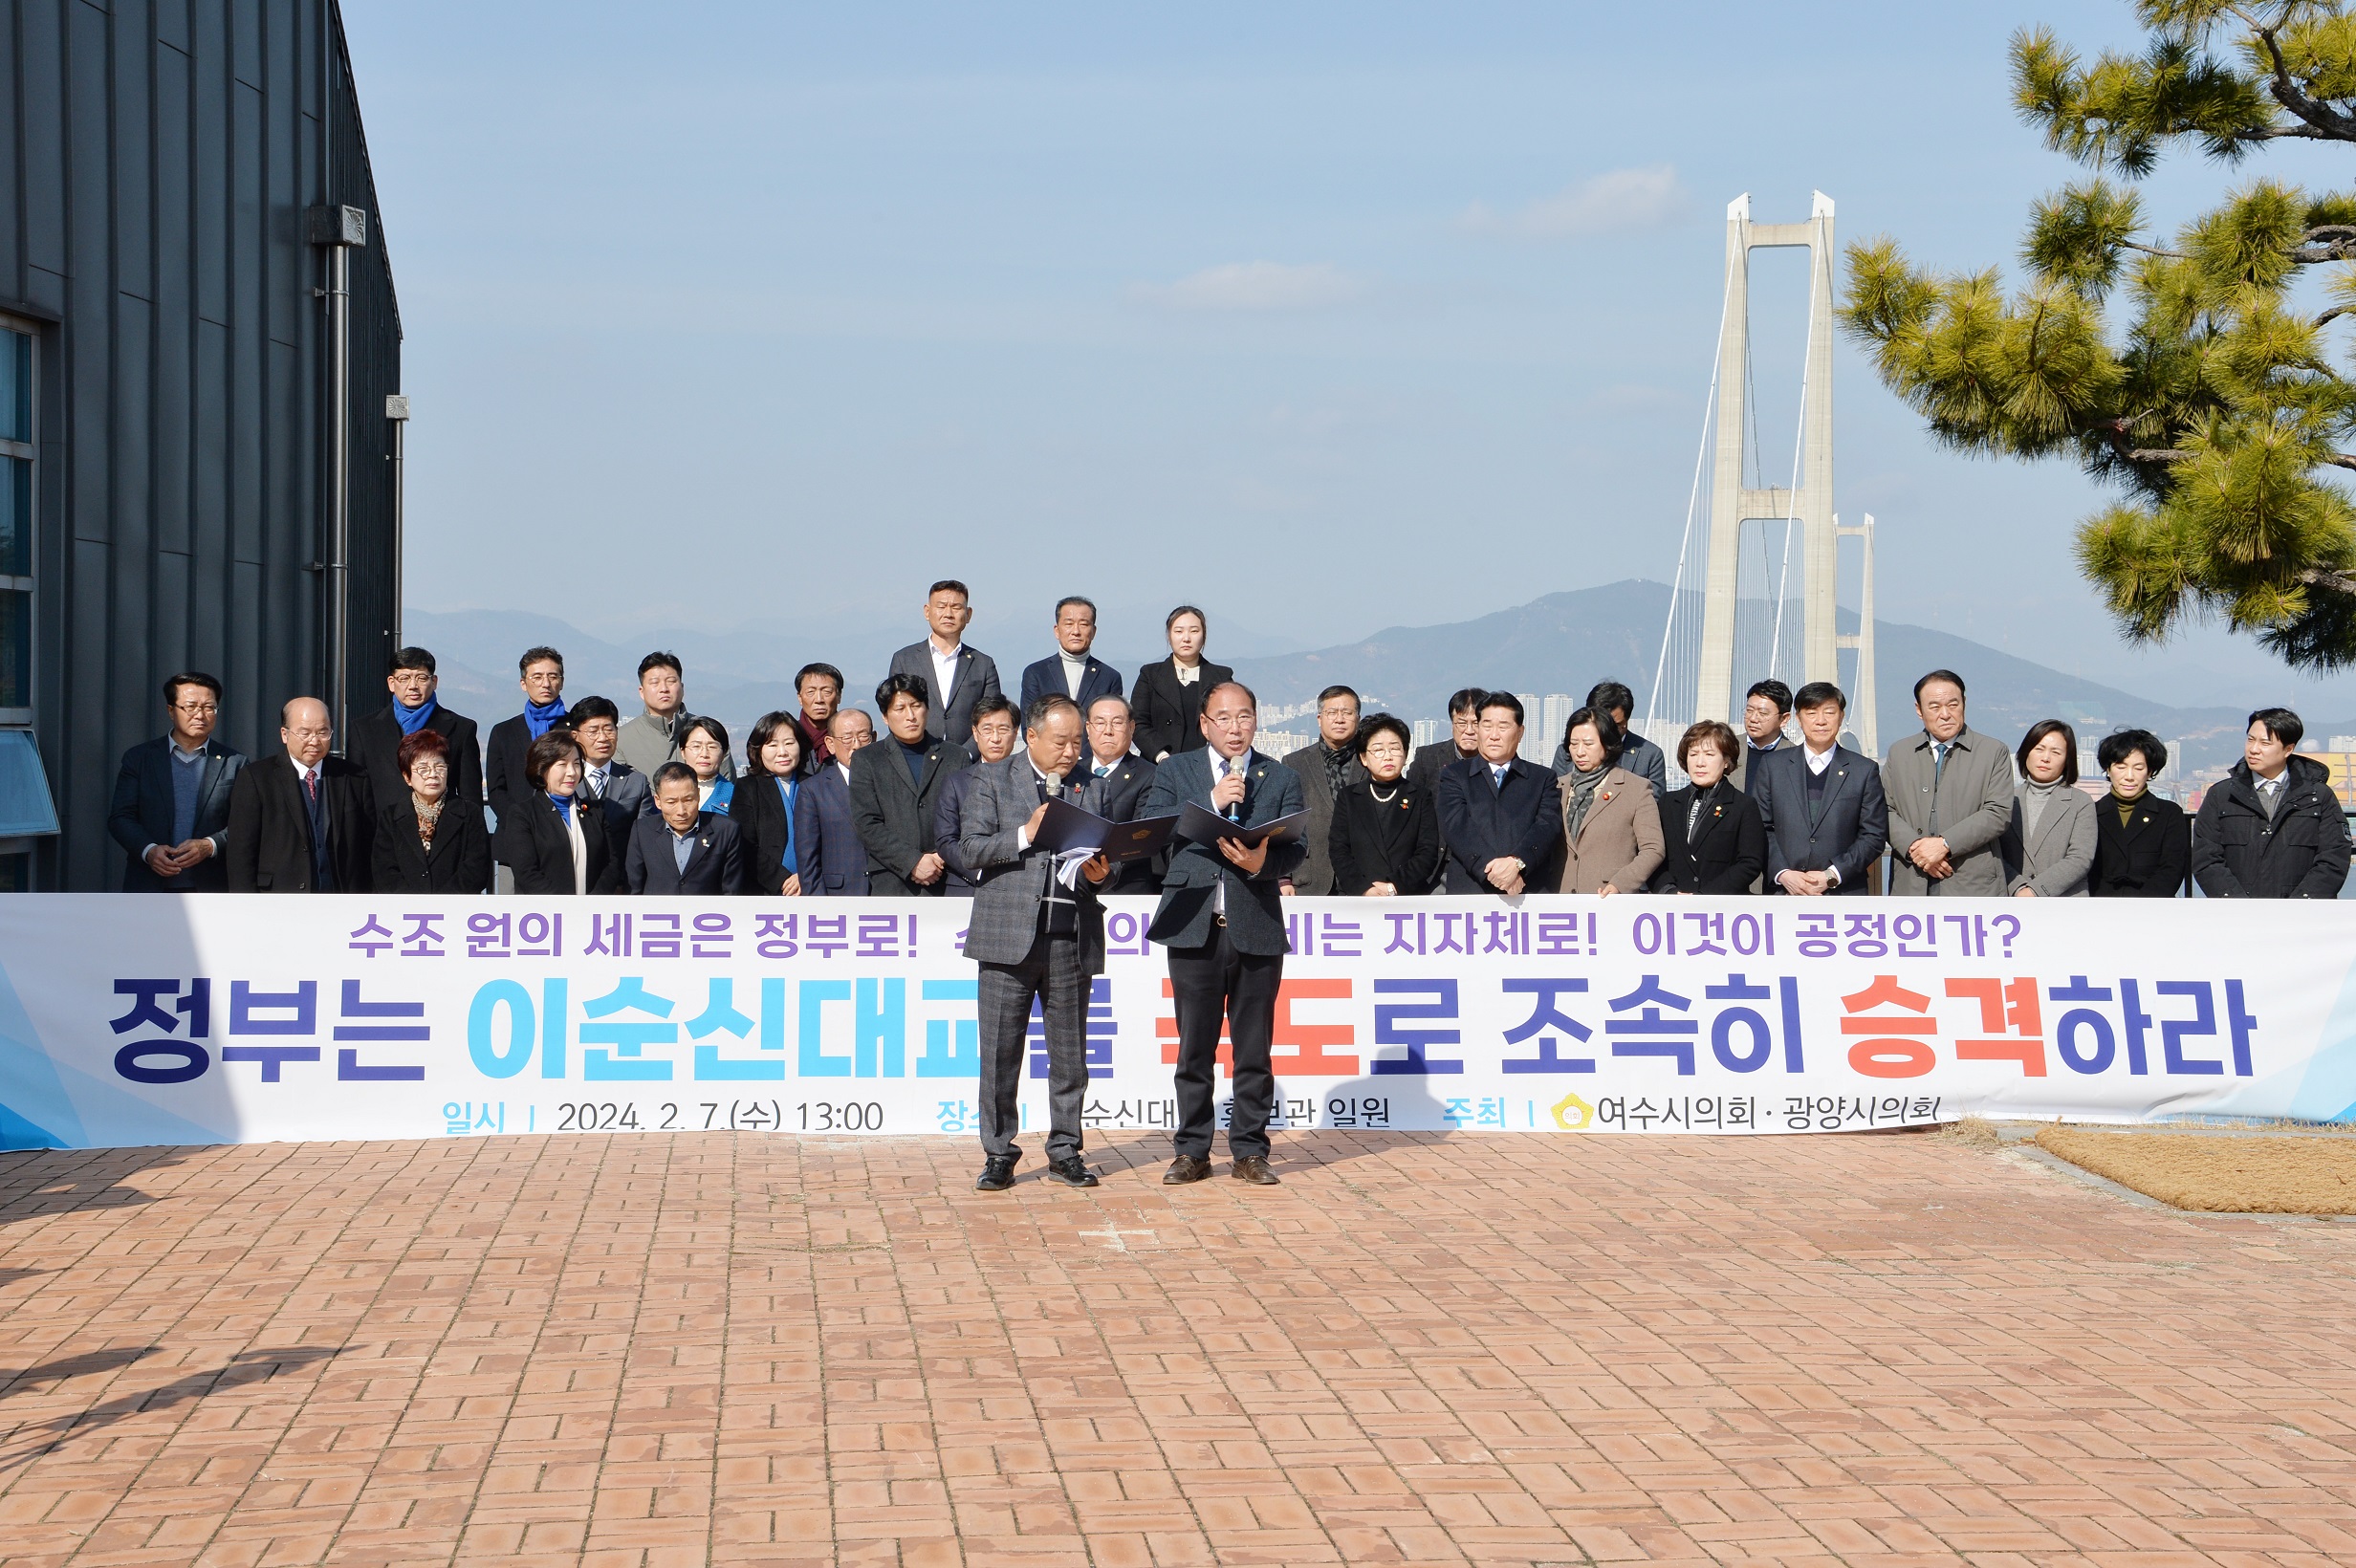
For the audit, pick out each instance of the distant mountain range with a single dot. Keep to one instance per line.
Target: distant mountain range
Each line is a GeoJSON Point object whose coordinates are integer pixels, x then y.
{"type": "Point", "coordinates": [1560, 643]}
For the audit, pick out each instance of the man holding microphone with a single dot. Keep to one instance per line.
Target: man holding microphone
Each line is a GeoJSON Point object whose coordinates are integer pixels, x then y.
{"type": "Point", "coordinates": [1036, 931]}
{"type": "Point", "coordinates": [1222, 919]}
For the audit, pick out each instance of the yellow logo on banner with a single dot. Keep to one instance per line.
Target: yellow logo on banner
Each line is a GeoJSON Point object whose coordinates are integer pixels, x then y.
{"type": "Point", "coordinates": [1573, 1113]}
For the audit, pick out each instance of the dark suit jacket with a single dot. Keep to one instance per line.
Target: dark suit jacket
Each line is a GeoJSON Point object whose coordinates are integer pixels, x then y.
{"type": "Point", "coordinates": [142, 813]}
{"type": "Point", "coordinates": [947, 819]}
{"type": "Point", "coordinates": [376, 746]}
{"type": "Point", "coordinates": [715, 859]}
{"type": "Point", "coordinates": [627, 791]}
{"type": "Point", "coordinates": [1118, 797]}
{"type": "Point", "coordinates": [532, 843]}
{"type": "Point", "coordinates": [758, 811]}
{"type": "Point", "coordinates": [1097, 680]}
{"type": "Point", "coordinates": [1398, 843]}
{"type": "Point", "coordinates": [1850, 836]}
{"type": "Point", "coordinates": [894, 812]}
{"type": "Point", "coordinates": [2149, 858]}
{"type": "Point", "coordinates": [1480, 824]}
{"type": "Point", "coordinates": [461, 857]}
{"type": "Point", "coordinates": [270, 828]}
{"type": "Point", "coordinates": [1254, 905]}
{"type": "Point", "coordinates": [833, 862]}
{"type": "Point", "coordinates": [1424, 772]}
{"type": "Point", "coordinates": [1169, 715]}
{"type": "Point", "coordinates": [1729, 848]}
{"type": "Point", "coordinates": [503, 762]}
{"type": "Point", "coordinates": [1315, 875]}
{"type": "Point", "coordinates": [949, 714]}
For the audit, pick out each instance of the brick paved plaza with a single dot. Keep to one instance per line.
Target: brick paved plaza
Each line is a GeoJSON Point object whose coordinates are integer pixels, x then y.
{"type": "Point", "coordinates": [1503, 1349]}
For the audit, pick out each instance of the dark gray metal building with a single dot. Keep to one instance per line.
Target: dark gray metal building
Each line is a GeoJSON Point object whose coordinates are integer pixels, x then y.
{"type": "Point", "coordinates": [185, 185]}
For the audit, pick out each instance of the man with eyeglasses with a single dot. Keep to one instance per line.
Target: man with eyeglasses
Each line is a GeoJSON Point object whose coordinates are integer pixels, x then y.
{"type": "Point", "coordinates": [171, 807]}
{"type": "Point", "coordinates": [1327, 766]}
{"type": "Point", "coordinates": [376, 740]}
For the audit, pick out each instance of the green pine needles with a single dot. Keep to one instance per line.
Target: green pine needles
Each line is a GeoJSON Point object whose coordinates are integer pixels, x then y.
{"type": "Point", "coordinates": [2210, 392]}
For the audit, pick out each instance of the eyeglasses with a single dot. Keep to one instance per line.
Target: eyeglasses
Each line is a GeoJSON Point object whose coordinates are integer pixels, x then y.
{"type": "Point", "coordinates": [196, 710]}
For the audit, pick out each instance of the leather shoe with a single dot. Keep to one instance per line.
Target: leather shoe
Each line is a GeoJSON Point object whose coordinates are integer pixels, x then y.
{"type": "Point", "coordinates": [1254, 1169]}
{"type": "Point", "coordinates": [1072, 1171]}
{"type": "Point", "coordinates": [1187, 1168]}
{"type": "Point", "coordinates": [997, 1174]}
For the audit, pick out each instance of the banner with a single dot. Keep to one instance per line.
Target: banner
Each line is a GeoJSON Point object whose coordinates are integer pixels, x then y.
{"type": "Point", "coordinates": [129, 1020]}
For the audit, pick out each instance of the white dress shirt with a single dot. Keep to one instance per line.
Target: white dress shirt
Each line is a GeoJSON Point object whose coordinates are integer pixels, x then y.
{"type": "Point", "coordinates": [944, 670]}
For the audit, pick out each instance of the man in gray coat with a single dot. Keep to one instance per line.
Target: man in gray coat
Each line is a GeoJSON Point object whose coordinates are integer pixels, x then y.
{"type": "Point", "coordinates": [955, 676]}
{"type": "Point", "coordinates": [1222, 919]}
{"type": "Point", "coordinates": [1327, 766]}
{"type": "Point", "coordinates": [651, 739]}
{"type": "Point", "coordinates": [1034, 938]}
{"type": "Point", "coordinates": [1950, 791]}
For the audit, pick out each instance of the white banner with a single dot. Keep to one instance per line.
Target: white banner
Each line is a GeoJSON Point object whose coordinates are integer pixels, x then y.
{"type": "Point", "coordinates": [129, 1020]}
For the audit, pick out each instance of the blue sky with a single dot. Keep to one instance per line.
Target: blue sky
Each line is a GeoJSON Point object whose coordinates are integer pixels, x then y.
{"type": "Point", "coordinates": [1328, 317]}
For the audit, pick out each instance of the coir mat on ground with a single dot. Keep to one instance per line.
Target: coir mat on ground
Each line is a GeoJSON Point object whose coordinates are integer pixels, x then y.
{"type": "Point", "coordinates": [2218, 1172]}
{"type": "Point", "coordinates": [1503, 1349]}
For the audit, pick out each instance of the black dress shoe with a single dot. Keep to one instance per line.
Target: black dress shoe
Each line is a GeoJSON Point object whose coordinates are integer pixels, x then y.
{"type": "Point", "coordinates": [1254, 1169]}
{"type": "Point", "coordinates": [997, 1174]}
{"type": "Point", "coordinates": [1072, 1171]}
{"type": "Point", "coordinates": [1187, 1168]}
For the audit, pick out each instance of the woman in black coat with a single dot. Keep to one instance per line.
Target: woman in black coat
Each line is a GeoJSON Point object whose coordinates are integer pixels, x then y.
{"type": "Point", "coordinates": [553, 842]}
{"type": "Point", "coordinates": [2142, 845]}
{"type": "Point", "coordinates": [430, 840]}
{"type": "Point", "coordinates": [763, 807]}
{"type": "Point", "coordinates": [1713, 838]}
{"type": "Point", "coordinates": [1168, 711]}
{"type": "Point", "coordinates": [1385, 836]}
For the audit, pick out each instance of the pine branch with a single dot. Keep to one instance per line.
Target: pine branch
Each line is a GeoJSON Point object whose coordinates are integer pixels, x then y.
{"type": "Point", "coordinates": [2328, 123]}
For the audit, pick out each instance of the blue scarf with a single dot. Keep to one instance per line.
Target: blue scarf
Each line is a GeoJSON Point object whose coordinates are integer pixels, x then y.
{"type": "Point", "coordinates": [412, 719]}
{"type": "Point", "coordinates": [542, 717]}
{"type": "Point", "coordinates": [563, 804]}
{"type": "Point", "coordinates": [787, 789]}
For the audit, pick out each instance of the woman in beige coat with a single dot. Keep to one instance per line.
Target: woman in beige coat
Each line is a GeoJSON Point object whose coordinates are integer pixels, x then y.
{"type": "Point", "coordinates": [1610, 823]}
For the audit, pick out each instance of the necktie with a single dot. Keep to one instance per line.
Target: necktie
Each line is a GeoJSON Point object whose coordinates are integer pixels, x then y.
{"type": "Point", "coordinates": [1104, 769]}
{"type": "Point", "coordinates": [596, 786]}
{"type": "Point", "coordinates": [1496, 779]}
{"type": "Point", "coordinates": [310, 784]}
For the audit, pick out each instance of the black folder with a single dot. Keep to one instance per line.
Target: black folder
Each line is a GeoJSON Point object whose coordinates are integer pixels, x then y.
{"type": "Point", "coordinates": [1199, 824]}
{"type": "Point", "coordinates": [1067, 826]}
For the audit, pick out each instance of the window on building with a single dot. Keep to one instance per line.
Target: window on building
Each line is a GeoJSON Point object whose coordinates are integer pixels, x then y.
{"type": "Point", "coordinates": [16, 498]}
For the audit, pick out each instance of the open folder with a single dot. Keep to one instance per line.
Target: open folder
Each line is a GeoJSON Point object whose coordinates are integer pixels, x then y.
{"type": "Point", "coordinates": [1067, 827]}
{"type": "Point", "coordinates": [1202, 826]}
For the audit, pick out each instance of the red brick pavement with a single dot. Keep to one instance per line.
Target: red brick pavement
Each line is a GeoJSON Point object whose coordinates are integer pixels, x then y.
{"type": "Point", "coordinates": [706, 1349]}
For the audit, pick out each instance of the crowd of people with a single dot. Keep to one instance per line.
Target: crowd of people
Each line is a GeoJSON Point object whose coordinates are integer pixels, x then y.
{"type": "Point", "coordinates": [831, 800]}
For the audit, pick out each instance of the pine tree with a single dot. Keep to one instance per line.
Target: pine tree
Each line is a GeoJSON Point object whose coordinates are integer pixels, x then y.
{"type": "Point", "coordinates": [2203, 393]}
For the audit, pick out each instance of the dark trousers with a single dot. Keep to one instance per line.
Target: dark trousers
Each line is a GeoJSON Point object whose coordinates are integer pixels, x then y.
{"type": "Point", "coordinates": [1209, 984]}
{"type": "Point", "coordinates": [1051, 972]}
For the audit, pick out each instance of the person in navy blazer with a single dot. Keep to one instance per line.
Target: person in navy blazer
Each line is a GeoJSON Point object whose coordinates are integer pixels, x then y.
{"type": "Point", "coordinates": [1826, 818]}
{"type": "Point", "coordinates": [972, 675]}
{"type": "Point", "coordinates": [826, 842]}
{"type": "Point", "coordinates": [1222, 919]}
{"type": "Point", "coordinates": [1500, 817]}
{"type": "Point", "coordinates": [715, 861]}
{"type": "Point", "coordinates": [1075, 634]}
{"type": "Point", "coordinates": [146, 818]}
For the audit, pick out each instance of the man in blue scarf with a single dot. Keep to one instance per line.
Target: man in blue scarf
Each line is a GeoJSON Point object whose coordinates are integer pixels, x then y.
{"type": "Point", "coordinates": [376, 740]}
{"type": "Point", "coordinates": [540, 673]}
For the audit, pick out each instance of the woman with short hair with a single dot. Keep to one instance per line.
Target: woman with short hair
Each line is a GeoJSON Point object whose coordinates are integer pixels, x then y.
{"type": "Point", "coordinates": [1713, 838]}
{"type": "Point", "coordinates": [431, 839]}
{"type": "Point", "coordinates": [1612, 829]}
{"type": "Point", "coordinates": [702, 746]}
{"type": "Point", "coordinates": [764, 803]}
{"type": "Point", "coordinates": [1167, 700]}
{"type": "Point", "coordinates": [2048, 846]}
{"type": "Point", "coordinates": [2142, 845]}
{"type": "Point", "coordinates": [553, 842]}
{"type": "Point", "coordinates": [1385, 836]}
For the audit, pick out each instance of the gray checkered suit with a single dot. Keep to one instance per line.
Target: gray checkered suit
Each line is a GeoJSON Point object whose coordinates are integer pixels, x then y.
{"type": "Point", "coordinates": [1020, 961]}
